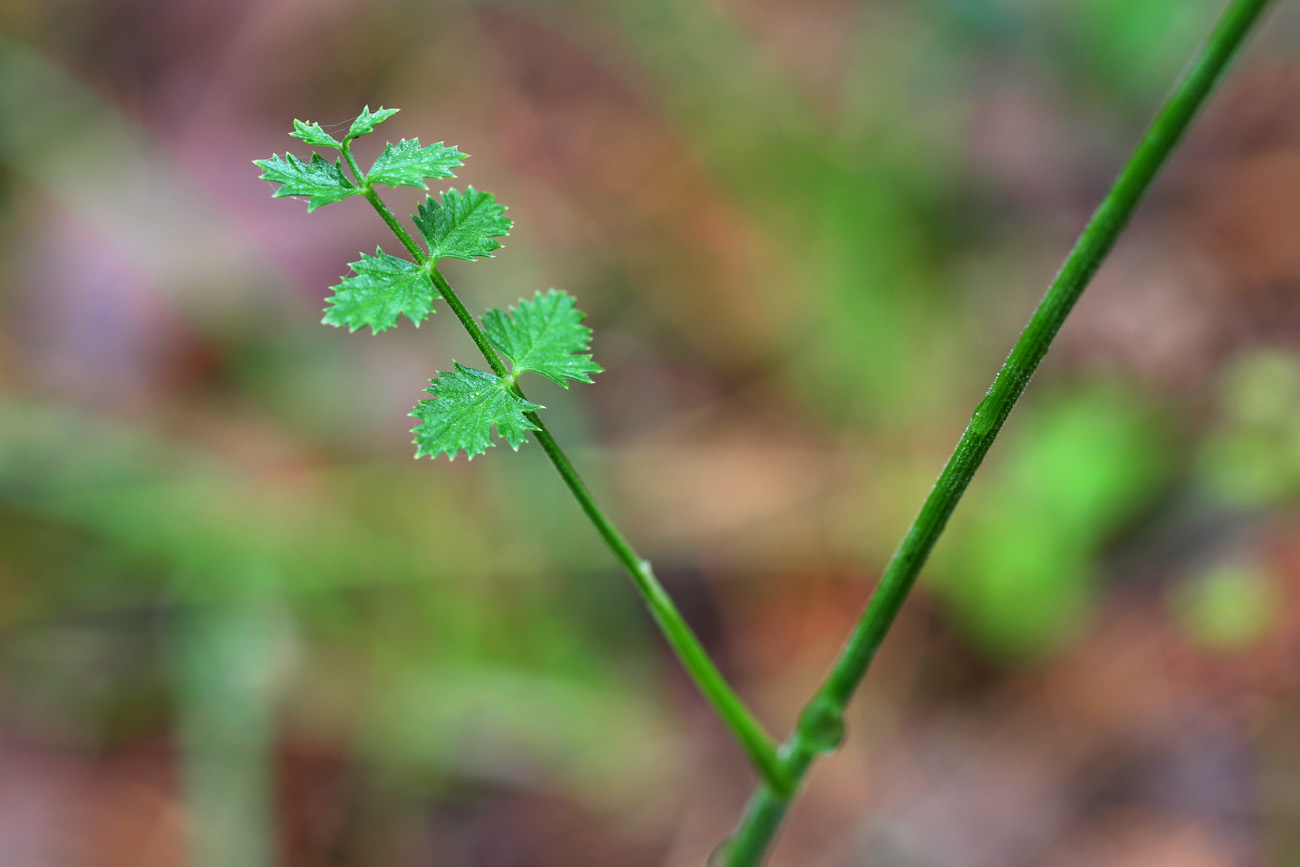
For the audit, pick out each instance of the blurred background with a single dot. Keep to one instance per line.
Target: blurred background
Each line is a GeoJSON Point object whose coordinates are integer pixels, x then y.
{"type": "Point", "coordinates": [240, 626]}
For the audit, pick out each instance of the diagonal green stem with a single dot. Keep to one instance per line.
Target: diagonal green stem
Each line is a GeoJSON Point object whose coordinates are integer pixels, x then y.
{"type": "Point", "coordinates": [821, 726]}
{"type": "Point", "coordinates": [759, 746]}
{"type": "Point", "coordinates": [694, 658]}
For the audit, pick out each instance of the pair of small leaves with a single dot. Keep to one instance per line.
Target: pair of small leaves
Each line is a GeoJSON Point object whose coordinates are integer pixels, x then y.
{"type": "Point", "coordinates": [544, 335]}
{"type": "Point", "coordinates": [405, 164]}
{"type": "Point", "coordinates": [364, 124]}
{"type": "Point", "coordinates": [461, 226]}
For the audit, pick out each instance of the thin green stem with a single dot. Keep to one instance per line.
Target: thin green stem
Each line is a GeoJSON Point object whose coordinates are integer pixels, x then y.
{"type": "Point", "coordinates": [378, 204]}
{"type": "Point", "coordinates": [821, 724]}
{"type": "Point", "coordinates": [758, 745]}
{"type": "Point", "coordinates": [471, 325]}
{"type": "Point", "coordinates": [694, 658]}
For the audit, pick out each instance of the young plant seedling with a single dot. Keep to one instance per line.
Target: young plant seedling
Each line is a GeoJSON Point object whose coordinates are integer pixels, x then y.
{"type": "Point", "coordinates": [467, 405]}
{"type": "Point", "coordinates": [545, 335]}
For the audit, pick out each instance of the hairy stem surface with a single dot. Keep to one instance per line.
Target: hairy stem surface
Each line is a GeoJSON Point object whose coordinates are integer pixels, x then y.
{"type": "Point", "coordinates": [759, 746]}
{"type": "Point", "coordinates": [820, 727]}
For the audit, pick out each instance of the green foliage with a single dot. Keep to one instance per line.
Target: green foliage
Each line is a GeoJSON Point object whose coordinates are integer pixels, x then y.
{"type": "Point", "coordinates": [462, 225]}
{"type": "Point", "coordinates": [312, 134]}
{"type": "Point", "coordinates": [407, 164]}
{"type": "Point", "coordinates": [322, 181]}
{"type": "Point", "coordinates": [467, 404]}
{"type": "Point", "coordinates": [383, 288]}
{"type": "Point", "coordinates": [544, 335]}
{"type": "Point", "coordinates": [366, 122]}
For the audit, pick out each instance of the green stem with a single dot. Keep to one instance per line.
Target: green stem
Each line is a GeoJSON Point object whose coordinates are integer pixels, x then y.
{"type": "Point", "coordinates": [471, 325]}
{"type": "Point", "coordinates": [758, 745]}
{"type": "Point", "coordinates": [694, 658]}
{"type": "Point", "coordinates": [390, 218]}
{"type": "Point", "coordinates": [821, 723]}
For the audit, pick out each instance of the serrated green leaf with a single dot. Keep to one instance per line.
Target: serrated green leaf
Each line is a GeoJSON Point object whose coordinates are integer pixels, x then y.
{"type": "Point", "coordinates": [384, 287]}
{"type": "Point", "coordinates": [467, 403]}
{"type": "Point", "coordinates": [462, 226]}
{"type": "Point", "coordinates": [366, 122]}
{"type": "Point", "coordinates": [322, 181]}
{"type": "Point", "coordinates": [544, 335]}
{"type": "Point", "coordinates": [312, 134]}
{"type": "Point", "coordinates": [406, 164]}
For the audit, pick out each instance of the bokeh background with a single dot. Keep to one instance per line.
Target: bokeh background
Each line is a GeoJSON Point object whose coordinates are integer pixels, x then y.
{"type": "Point", "coordinates": [240, 626]}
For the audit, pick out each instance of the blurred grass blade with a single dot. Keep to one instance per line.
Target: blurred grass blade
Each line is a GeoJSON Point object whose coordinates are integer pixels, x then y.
{"type": "Point", "coordinates": [225, 688]}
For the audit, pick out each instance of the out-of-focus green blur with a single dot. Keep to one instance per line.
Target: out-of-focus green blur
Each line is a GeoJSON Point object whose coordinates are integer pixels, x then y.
{"type": "Point", "coordinates": [240, 626]}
